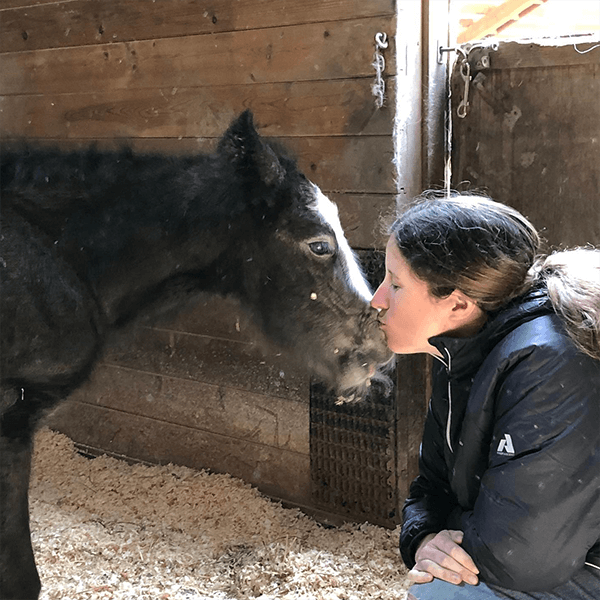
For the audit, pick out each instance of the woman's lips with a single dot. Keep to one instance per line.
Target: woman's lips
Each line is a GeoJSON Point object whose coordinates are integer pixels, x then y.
{"type": "Point", "coordinates": [382, 327]}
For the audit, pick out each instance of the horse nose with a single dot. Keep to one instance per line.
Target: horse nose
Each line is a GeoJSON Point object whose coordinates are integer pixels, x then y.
{"type": "Point", "coordinates": [372, 313]}
{"type": "Point", "coordinates": [370, 320]}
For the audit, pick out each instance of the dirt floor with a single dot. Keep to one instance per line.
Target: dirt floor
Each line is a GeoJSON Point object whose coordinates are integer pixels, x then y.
{"type": "Point", "coordinates": [103, 529]}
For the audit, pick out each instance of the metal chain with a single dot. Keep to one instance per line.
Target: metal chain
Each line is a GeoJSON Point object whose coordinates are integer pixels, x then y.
{"type": "Point", "coordinates": [378, 88]}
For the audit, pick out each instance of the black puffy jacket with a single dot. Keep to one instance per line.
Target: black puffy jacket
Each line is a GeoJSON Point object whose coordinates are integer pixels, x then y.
{"type": "Point", "coordinates": [511, 450]}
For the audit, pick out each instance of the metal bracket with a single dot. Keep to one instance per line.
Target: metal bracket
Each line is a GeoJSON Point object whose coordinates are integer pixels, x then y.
{"type": "Point", "coordinates": [479, 59]}
{"type": "Point", "coordinates": [473, 59]}
{"type": "Point", "coordinates": [481, 50]}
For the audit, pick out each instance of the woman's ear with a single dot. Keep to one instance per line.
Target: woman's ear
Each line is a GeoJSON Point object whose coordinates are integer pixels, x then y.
{"type": "Point", "coordinates": [460, 301]}
{"type": "Point", "coordinates": [464, 311]}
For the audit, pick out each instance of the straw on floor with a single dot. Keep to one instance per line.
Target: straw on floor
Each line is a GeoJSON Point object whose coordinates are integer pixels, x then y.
{"type": "Point", "coordinates": [104, 529]}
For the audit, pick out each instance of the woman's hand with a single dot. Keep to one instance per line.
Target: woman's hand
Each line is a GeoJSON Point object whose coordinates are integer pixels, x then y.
{"type": "Point", "coordinates": [441, 556]}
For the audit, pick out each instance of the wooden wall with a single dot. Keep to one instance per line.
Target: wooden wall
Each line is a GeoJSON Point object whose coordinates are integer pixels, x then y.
{"type": "Point", "coordinates": [173, 75]}
{"type": "Point", "coordinates": [170, 75]}
{"type": "Point", "coordinates": [531, 138]}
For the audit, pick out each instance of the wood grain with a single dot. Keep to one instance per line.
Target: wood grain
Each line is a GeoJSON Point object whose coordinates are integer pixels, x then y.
{"type": "Point", "coordinates": [277, 472]}
{"type": "Point", "coordinates": [222, 409]}
{"type": "Point", "coordinates": [317, 108]}
{"type": "Point", "coordinates": [530, 140]}
{"type": "Point", "coordinates": [38, 25]}
{"type": "Point", "coordinates": [206, 359]}
{"type": "Point", "coordinates": [314, 52]}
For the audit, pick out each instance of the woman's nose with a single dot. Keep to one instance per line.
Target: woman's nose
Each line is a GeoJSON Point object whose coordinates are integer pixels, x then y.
{"type": "Point", "coordinates": [379, 300]}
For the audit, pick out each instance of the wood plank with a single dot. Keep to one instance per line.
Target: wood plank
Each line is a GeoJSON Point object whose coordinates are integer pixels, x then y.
{"type": "Point", "coordinates": [10, 4]}
{"type": "Point", "coordinates": [209, 360]}
{"type": "Point", "coordinates": [361, 216]}
{"type": "Point", "coordinates": [217, 409]}
{"type": "Point", "coordinates": [321, 51]}
{"type": "Point", "coordinates": [530, 140]}
{"type": "Point", "coordinates": [352, 164]}
{"type": "Point", "coordinates": [218, 317]}
{"type": "Point", "coordinates": [277, 472]}
{"type": "Point", "coordinates": [318, 108]}
{"type": "Point", "coordinates": [528, 55]}
{"type": "Point", "coordinates": [435, 96]}
{"type": "Point", "coordinates": [82, 22]}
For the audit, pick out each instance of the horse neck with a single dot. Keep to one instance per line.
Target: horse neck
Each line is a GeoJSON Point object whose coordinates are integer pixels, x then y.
{"type": "Point", "coordinates": [131, 262]}
{"type": "Point", "coordinates": [165, 276]}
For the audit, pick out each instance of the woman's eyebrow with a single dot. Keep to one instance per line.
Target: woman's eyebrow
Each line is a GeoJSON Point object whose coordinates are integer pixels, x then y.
{"type": "Point", "coordinates": [393, 276]}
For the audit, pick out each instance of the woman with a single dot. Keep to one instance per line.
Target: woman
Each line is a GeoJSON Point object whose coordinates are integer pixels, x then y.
{"type": "Point", "coordinates": [507, 501]}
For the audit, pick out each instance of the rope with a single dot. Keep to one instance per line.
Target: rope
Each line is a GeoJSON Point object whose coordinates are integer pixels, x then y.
{"type": "Point", "coordinates": [585, 51]}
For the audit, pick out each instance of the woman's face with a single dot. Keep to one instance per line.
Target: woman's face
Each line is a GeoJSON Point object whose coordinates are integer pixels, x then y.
{"type": "Point", "coordinates": [409, 314]}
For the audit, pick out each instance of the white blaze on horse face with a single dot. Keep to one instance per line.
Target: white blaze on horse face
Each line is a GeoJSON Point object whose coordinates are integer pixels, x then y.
{"type": "Point", "coordinates": [329, 213]}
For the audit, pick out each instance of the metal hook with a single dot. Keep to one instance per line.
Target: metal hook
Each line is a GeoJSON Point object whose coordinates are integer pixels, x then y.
{"type": "Point", "coordinates": [381, 40]}
{"type": "Point", "coordinates": [465, 72]}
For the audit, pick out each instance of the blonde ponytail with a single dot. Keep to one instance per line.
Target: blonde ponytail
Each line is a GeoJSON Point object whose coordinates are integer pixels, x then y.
{"type": "Point", "coordinates": [573, 281]}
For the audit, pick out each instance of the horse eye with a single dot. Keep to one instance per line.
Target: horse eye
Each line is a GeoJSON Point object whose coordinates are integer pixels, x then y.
{"type": "Point", "coordinates": [321, 248]}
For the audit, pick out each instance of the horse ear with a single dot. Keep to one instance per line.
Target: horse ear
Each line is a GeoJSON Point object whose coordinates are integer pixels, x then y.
{"type": "Point", "coordinates": [243, 146]}
{"type": "Point", "coordinates": [240, 138]}
{"type": "Point", "coordinates": [269, 166]}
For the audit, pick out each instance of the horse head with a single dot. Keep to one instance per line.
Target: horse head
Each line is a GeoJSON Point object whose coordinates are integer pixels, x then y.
{"type": "Point", "coordinates": [299, 275]}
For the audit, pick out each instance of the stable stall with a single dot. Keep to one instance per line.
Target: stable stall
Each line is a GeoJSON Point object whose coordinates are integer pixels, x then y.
{"type": "Point", "coordinates": [358, 92]}
{"type": "Point", "coordinates": [320, 78]}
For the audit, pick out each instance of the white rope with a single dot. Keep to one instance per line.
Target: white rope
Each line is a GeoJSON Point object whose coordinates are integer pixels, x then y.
{"type": "Point", "coordinates": [585, 51]}
{"type": "Point", "coordinates": [378, 88]}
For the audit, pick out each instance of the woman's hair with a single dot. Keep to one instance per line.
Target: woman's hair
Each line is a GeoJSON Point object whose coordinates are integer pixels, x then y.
{"type": "Point", "coordinates": [492, 253]}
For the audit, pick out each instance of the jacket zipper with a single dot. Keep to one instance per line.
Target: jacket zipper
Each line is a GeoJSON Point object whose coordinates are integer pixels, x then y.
{"type": "Point", "coordinates": [449, 421]}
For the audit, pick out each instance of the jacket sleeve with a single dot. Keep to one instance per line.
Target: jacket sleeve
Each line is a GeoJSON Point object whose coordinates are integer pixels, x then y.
{"type": "Point", "coordinates": [538, 508]}
{"type": "Point", "coordinates": [430, 500]}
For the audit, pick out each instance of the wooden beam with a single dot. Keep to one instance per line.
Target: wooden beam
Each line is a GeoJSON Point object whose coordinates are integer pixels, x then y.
{"type": "Point", "coordinates": [498, 18]}
{"type": "Point", "coordinates": [37, 24]}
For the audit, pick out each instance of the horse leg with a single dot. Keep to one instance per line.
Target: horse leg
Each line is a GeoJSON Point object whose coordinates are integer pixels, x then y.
{"type": "Point", "coordinates": [19, 579]}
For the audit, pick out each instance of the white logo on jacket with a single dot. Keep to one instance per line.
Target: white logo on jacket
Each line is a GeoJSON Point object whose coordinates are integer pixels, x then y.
{"type": "Point", "coordinates": [505, 447]}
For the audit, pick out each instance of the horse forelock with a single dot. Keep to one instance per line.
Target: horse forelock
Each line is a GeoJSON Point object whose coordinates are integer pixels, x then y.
{"type": "Point", "coordinates": [328, 212]}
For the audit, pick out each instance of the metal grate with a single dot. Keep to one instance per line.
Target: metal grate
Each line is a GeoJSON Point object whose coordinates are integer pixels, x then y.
{"type": "Point", "coordinates": [353, 449]}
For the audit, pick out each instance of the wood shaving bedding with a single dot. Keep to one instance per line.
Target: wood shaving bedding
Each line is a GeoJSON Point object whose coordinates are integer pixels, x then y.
{"type": "Point", "coordinates": [103, 529]}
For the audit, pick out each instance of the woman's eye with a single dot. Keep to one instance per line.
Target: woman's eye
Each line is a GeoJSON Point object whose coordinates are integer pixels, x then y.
{"type": "Point", "coordinates": [321, 248]}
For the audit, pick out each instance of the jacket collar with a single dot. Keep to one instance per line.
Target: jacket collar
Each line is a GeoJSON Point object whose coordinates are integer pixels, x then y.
{"type": "Point", "coordinates": [467, 353]}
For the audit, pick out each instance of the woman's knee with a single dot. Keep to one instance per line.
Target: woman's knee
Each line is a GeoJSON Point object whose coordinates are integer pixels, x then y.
{"type": "Point", "coordinates": [438, 589]}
